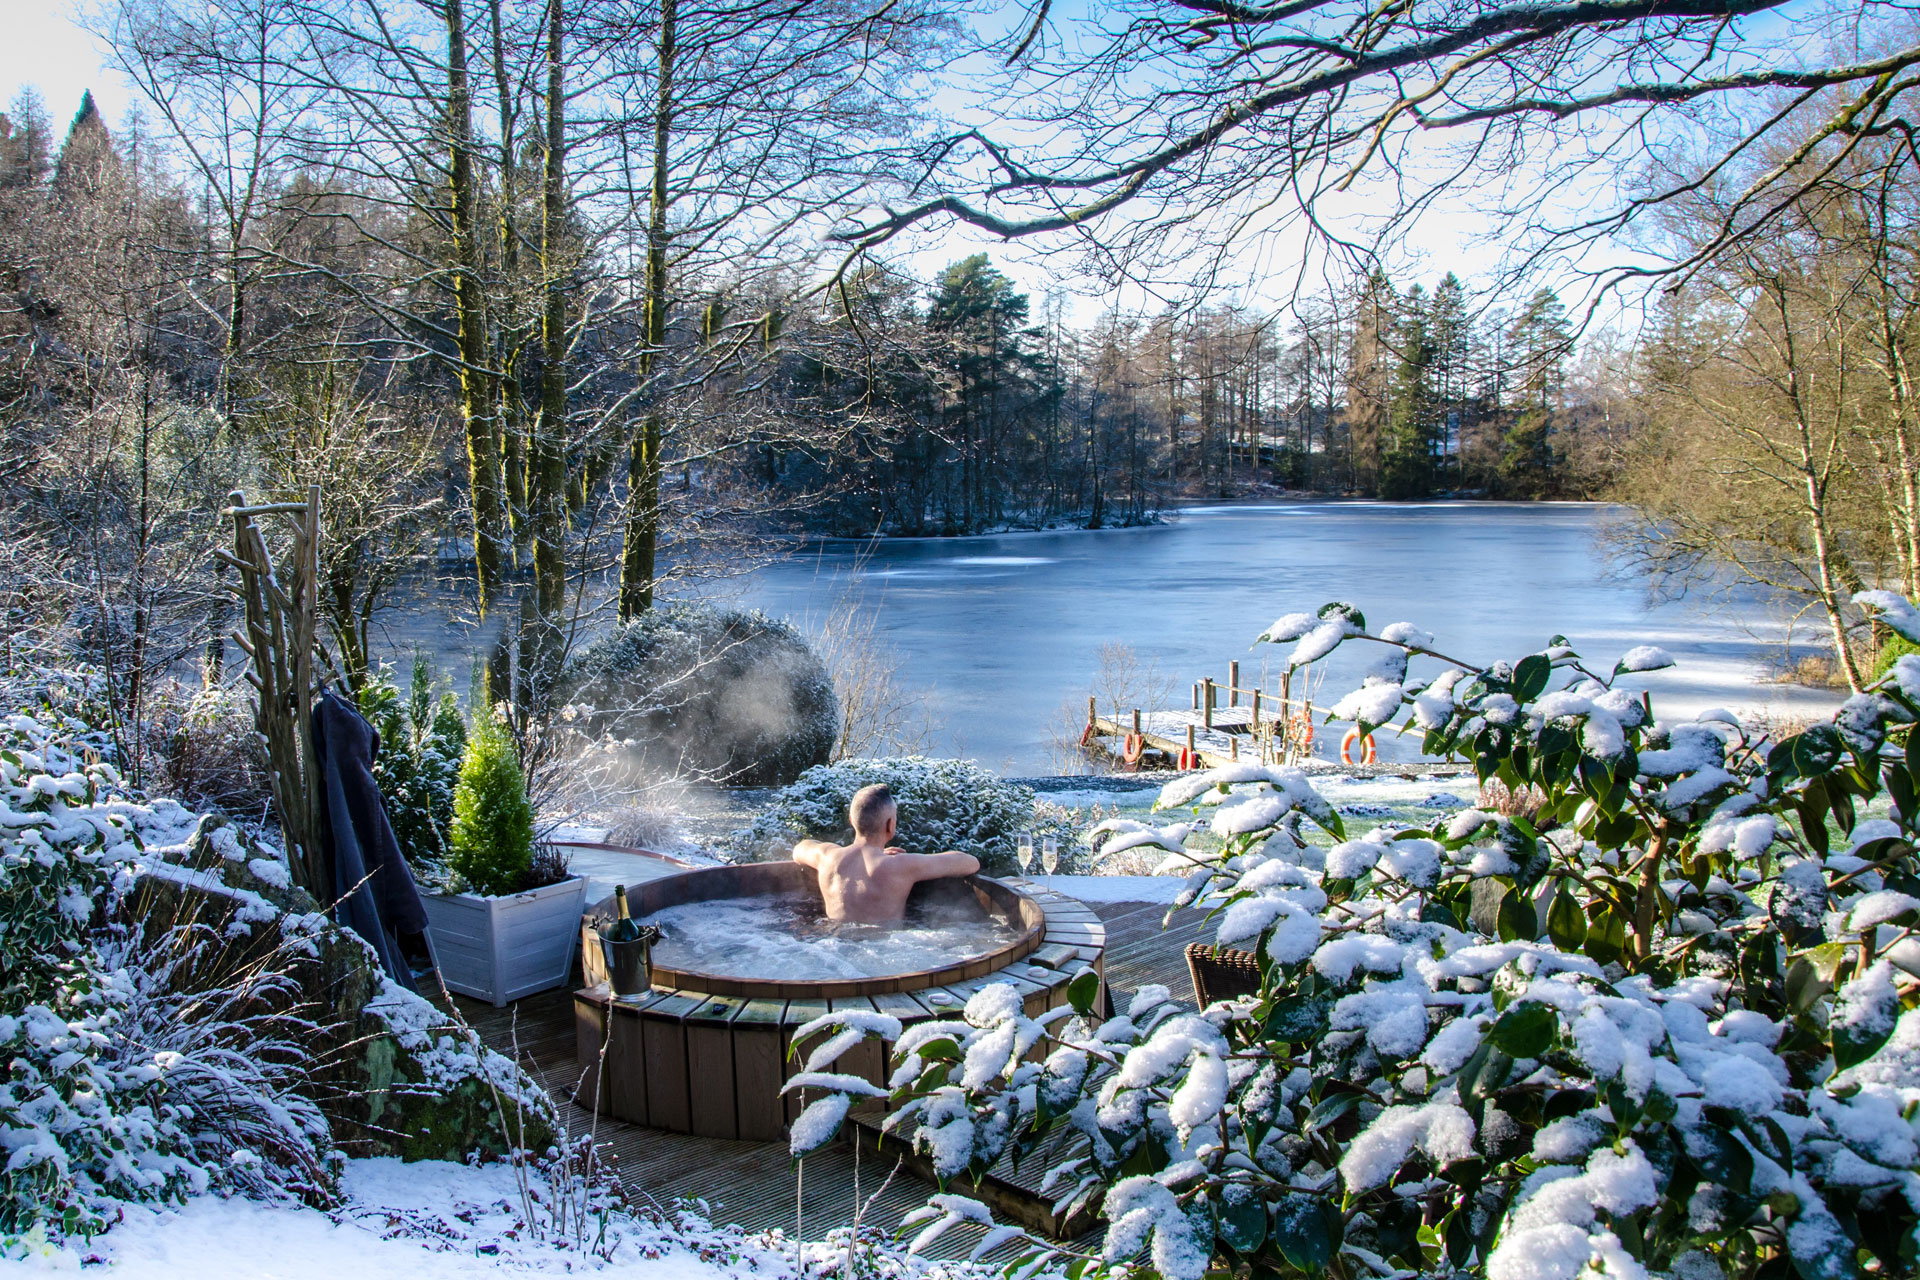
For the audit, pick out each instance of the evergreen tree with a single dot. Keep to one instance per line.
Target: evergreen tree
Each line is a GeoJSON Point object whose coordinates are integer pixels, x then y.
{"type": "Point", "coordinates": [1539, 341]}
{"type": "Point", "coordinates": [977, 312]}
{"type": "Point", "coordinates": [492, 834]}
{"type": "Point", "coordinates": [1450, 338]}
{"type": "Point", "coordinates": [1406, 463]}
{"type": "Point", "coordinates": [1370, 369]}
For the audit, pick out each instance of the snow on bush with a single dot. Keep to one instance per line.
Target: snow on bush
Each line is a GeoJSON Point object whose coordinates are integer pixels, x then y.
{"type": "Point", "coordinates": [156, 1039]}
{"type": "Point", "coordinates": [1669, 1027]}
{"type": "Point", "coordinates": [695, 689]}
{"type": "Point", "coordinates": [944, 804]}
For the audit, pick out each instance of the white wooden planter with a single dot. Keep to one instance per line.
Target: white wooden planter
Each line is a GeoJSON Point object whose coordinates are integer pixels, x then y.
{"type": "Point", "coordinates": [500, 949]}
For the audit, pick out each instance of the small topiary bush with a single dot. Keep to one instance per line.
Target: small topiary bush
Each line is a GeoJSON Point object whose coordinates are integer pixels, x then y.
{"type": "Point", "coordinates": [491, 839]}
{"type": "Point", "coordinates": [725, 694]}
{"type": "Point", "coordinates": [423, 739]}
{"type": "Point", "coordinates": [944, 804]}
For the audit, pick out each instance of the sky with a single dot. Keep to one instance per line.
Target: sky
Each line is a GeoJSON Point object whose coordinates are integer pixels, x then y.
{"type": "Point", "coordinates": [48, 50]}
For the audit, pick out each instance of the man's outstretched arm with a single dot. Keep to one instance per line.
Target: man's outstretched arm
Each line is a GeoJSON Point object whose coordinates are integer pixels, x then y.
{"type": "Point", "coordinates": [942, 866]}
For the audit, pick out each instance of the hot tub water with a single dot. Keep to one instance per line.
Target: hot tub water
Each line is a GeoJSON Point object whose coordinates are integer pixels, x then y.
{"type": "Point", "coordinates": [787, 939]}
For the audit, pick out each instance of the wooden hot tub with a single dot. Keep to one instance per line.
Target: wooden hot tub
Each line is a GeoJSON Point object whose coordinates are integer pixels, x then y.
{"type": "Point", "coordinates": [707, 1053]}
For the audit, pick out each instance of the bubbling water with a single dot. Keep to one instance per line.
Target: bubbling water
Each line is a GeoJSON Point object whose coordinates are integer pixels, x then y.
{"type": "Point", "coordinates": [787, 939]}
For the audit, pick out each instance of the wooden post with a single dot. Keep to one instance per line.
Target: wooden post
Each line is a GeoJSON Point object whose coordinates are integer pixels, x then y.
{"type": "Point", "coordinates": [1233, 684]}
{"type": "Point", "coordinates": [1092, 712]}
{"type": "Point", "coordinates": [1256, 710]}
{"type": "Point", "coordinates": [1192, 755]}
{"type": "Point", "coordinates": [1206, 704]}
{"type": "Point", "coordinates": [1233, 741]}
{"type": "Point", "coordinates": [278, 639]}
{"type": "Point", "coordinates": [1136, 722]}
{"type": "Point", "coordinates": [1196, 695]}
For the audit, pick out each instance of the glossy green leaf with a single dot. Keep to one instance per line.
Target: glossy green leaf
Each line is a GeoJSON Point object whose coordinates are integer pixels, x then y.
{"type": "Point", "coordinates": [1566, 922]}
{"type": "Point", "coordinates": [1307, 1230]}
{"type": "Point", "coordinates": [1517, 920]}
{"type": "Point", "coordinates": [1525, 1030]}
{"type": "Point", "coordinates": [1530, 676]}
{"type": "Point", "coordinates": [1606, 936]}
{"type": "Point", "coordinates": [1299, 1019]}
{"type": "Point", "coordinates": [1083, 991]}
{"type": "Point", "coordinates": [1241, 1220]}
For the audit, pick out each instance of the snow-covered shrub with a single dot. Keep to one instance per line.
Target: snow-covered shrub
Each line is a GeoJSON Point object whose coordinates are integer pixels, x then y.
{"type": "Point", "coordinates": [490, 844]}
{"type": "Point", "coordinates": [423, 738]}
{"type": "Point", "coordinates": [944, 804]}
{"type": "Point", "coordinates": [91, 1108]}
{"type": "Point", "coordinates": [695, 689]}
{"type": "Point", "coordinates": [175, 1017]}
{"type": "Point", "coordinates": [1671, 1026]}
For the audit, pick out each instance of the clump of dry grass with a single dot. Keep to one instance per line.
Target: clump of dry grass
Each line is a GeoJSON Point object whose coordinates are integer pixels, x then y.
{"type": "Point", "coordinates": [1522, 802]}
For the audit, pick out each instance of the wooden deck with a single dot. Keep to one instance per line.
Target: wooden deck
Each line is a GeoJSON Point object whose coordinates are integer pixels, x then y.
{"type": "Point", "coordinates": [755, 1184]}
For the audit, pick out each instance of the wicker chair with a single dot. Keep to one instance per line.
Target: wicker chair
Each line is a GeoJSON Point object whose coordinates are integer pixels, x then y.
{"type": "Point", "coordinates": [1221, 973]}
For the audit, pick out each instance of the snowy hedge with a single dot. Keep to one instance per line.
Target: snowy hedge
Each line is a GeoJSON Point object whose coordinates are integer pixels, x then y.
{"type": "Point", "coordinates": [174, 1016]}
{"type": "Point", "coordinates": [944, 804]}
{"type": "Point", "coordinates": [695, 689]}
{"type": "Point", "coordinates": [1685, 1042]}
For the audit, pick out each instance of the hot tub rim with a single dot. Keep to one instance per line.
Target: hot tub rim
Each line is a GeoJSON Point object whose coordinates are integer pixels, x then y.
{"type": "Point", "coordinates": [757, 879]}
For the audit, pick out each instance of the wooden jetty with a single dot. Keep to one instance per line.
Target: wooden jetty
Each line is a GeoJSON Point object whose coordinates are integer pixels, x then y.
{"type": "Point", "coordinates": [1228, 722]}
{"type": "Point", "coordinates": [1231, 723]}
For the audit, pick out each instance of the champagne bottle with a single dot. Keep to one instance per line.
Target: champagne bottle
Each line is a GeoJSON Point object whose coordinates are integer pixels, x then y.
{"type": "Point", "coordinates": [625, 929]}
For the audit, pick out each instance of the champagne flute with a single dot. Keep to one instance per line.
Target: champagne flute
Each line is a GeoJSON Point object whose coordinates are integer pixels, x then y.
{"type": "Point", "coordinates": [1050, 857]}
{"type": "Point", "coordinates": [1024, 850]}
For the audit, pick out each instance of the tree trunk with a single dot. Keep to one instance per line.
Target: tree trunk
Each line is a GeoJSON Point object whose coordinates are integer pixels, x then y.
{"type": "Point", "coordinates": [476, 406]}
{"type": "Point", "coordinates": [547, 461]}
{"type": "Point", "coordinates": [639, 555]}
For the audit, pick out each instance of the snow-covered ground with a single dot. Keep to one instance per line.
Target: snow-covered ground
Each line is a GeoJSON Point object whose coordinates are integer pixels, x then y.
{"type": "Point", "coordinates": [425, 1221]}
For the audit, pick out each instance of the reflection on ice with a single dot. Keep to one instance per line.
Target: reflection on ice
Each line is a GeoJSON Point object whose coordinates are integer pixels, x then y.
{"type": "Point", "coordinates": [788, 940]}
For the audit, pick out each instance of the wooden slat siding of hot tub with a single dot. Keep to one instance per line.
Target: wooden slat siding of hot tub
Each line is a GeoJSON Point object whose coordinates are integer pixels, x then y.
{"type": "Point", "coordinates": [589, 1039]}
{"type": "Point", "coordinates": [758, 1071]}
{"type": "Point", "coordinates": [793, 1053]}
{"type": "Point", "coordinates": [664, 1046]}
{"type": "Point", "coordinates": [710, 1080]}
{"type": "Point", "coordinates": [627, 1092]}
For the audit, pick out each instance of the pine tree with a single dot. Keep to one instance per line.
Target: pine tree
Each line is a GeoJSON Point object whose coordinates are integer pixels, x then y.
{"type": "Point", "coordinates": [1540, 339]}
{"type": "Point", "coordinates": [1450, 336]}
{"type": "Point", "coordinates": [1406, 463]}
{"type": "Point", "coordinates": [492, 835]}
{"type": "Point", "coordinates": [1369, 381]}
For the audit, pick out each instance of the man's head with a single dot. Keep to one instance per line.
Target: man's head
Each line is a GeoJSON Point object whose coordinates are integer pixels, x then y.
{"type": "Point", "coordinates": [873, 813]}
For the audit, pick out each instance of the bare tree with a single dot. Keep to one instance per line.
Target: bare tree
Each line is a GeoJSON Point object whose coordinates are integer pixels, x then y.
{"type": "Point", "coordinates": [1150, 128]}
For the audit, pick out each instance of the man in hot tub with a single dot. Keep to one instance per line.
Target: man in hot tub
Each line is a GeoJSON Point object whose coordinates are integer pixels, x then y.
{"type": "Point", "coordinates": [867, 882]}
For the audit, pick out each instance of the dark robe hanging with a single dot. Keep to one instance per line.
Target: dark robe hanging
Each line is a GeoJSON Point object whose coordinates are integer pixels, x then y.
{"type": "Point", "coordinates": [373, 888]}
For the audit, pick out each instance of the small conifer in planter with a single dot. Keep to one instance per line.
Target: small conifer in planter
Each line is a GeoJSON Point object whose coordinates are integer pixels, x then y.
{"type": "Point", "coordinates": [492, 836]}
{"type": "Point", "coordinates": [512, 931]}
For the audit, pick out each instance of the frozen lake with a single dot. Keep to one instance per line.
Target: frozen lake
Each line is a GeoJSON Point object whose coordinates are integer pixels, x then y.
{"type": "Point", "coordinates": [1004, 631]}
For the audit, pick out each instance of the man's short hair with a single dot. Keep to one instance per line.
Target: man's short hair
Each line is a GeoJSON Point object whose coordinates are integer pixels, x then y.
{"type": "Point", "coordinates": [870, 809]}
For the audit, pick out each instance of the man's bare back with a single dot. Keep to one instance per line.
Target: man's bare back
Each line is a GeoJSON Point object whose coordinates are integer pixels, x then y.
{"type": "Point", "coordinates": [867, 881]}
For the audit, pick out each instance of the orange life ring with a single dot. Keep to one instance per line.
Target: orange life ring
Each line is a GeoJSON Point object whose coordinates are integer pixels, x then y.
{"type": "Point", "coordinates": [1302, 727]}
{"type": "Point", "coordinates": [1133, 748]}
{"type": "Point", "coordinates": [1189, 759]}
{"type": "Point", "coordinates": [1367, 755]}
{"type": "Point", "coordinates": [1086, 735]}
